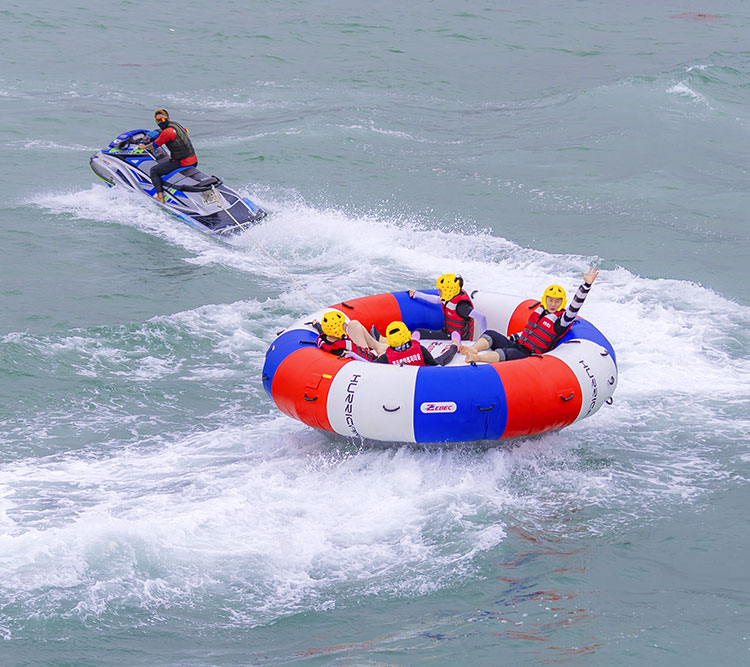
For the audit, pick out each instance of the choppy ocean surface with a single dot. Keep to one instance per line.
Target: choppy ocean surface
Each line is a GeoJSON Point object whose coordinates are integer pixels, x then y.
{"type": "Point", "coordinates": [156, 508]}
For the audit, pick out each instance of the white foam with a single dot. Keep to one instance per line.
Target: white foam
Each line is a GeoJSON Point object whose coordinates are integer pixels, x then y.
{"type": "Point", "coordinates": [118, 206]}
{"type": "Point", "coordinates": [682, 89]}
{"type": "Point", "coordinates": [293, 528]}
{"type": "Point", "coordinates": [391, 133]}
{"type": "Point", "coordinates": [211, 100]}
{"type": "Point", "coordinates": [665, 332]}
{"type": "Point", "coordinates": [46, 144]}
{"type": "Point", "coordinates": [266, 505]}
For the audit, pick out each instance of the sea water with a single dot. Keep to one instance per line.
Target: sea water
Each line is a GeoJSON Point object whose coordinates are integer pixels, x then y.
{"type": "Point", "coordinates": [157, 509]}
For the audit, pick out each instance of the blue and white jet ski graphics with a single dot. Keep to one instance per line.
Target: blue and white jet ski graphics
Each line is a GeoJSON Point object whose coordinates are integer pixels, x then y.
{"type": "Point", "coordinates": [200, 200]}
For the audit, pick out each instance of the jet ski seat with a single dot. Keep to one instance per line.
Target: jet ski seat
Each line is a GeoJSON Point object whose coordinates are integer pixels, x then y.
{"type": "Point", "coordinates": [190, 179]}
{"type": "Point", "coordinates": [202, 181]}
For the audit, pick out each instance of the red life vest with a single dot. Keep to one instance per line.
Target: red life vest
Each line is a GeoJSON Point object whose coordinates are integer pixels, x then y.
{"type": "Point", "coordinates": [345, 344]}
{"type": "Point", "coordinates": [409, 356]}
{"type": "Point", "coordinates": [539, 334]}
{"type": "Point", "coordinates": [453, 321]}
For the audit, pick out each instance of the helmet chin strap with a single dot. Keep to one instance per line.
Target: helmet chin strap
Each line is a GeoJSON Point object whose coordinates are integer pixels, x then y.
{"type": "Point", "coordinates": [244, 228]}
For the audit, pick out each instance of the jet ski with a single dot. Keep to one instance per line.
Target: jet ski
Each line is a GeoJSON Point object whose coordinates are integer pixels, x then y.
{"type": "Point", "coordinates": [200, 200]}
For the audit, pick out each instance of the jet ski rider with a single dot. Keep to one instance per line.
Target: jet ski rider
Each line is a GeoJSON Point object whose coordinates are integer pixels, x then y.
{"type": "Point", "coordinates": [181, 151]}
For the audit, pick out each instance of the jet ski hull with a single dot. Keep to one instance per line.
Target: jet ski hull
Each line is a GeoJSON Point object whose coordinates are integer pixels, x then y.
{"type": "Point", "coordinates": [200, 200]}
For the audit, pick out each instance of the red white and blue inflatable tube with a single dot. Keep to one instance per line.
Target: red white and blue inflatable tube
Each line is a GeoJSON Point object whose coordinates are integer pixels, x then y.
{"type": "Point", "coordinates": [456, 403]}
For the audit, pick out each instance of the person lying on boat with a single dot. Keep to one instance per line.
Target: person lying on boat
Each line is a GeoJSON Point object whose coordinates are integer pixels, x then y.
{"type": "Point", "coordinates": [404, 349]}
{"type": "Point", "coordinates": [181, 151]}
{"type": "Point", "coordinates": [547, 324]}
{"type": "Point", "coordinates": [458, 309]}
{"type": "Point", "coordinates": [343, 338]}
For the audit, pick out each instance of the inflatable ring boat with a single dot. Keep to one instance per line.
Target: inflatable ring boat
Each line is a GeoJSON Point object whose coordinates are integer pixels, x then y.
{"type": "Point", "coordinates": [457, 403]}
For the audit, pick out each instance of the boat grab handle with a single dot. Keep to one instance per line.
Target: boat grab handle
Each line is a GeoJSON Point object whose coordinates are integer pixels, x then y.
{"type": "Point", "coordinates": [310, 400]}
{"type": "Point", "coordinates": [398, 407]}
{"type": "Point", "coordinates": [346, 305]}
{"type": "Point", "coordinates": [572, 393]}
{"type": "Point", "coordinates": [481, 409]}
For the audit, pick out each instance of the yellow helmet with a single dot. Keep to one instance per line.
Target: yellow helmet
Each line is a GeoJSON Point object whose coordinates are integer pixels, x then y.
{"type": "Point", "coordinates": [397, 334]}
{"type": "Point", "coordinates": [332, 324]}
{"type": "Point", "coordinates": [449, 285]}
{"type": "Point", "coordinates": [554, 292]}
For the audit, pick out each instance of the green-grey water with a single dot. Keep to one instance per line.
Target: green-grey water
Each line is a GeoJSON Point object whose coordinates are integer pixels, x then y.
{"type": "Point", "coordinates": [157, 509]}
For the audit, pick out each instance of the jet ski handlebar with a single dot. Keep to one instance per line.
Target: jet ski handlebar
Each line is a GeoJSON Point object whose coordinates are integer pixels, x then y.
{"type": "Point", "coordinates": [130, 140]}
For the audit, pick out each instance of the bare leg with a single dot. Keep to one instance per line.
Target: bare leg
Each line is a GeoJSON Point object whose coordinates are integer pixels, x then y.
{"type": "Point", "coordinates": [491, 357]}
{"type": "Point", "coordinates": [472, 351]}
{"type": "Point", "coordinates": [362, 337]}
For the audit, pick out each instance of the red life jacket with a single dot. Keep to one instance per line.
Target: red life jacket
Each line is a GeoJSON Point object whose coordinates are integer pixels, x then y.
{"type": "Point", "coordinates": [345, 344]}
{"type": "Point", "coordinates": [539, 334]}
{"type": "Point", "coordinates": [453, 321]}
{"type": "Point", "coordinates": [409, 356]}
